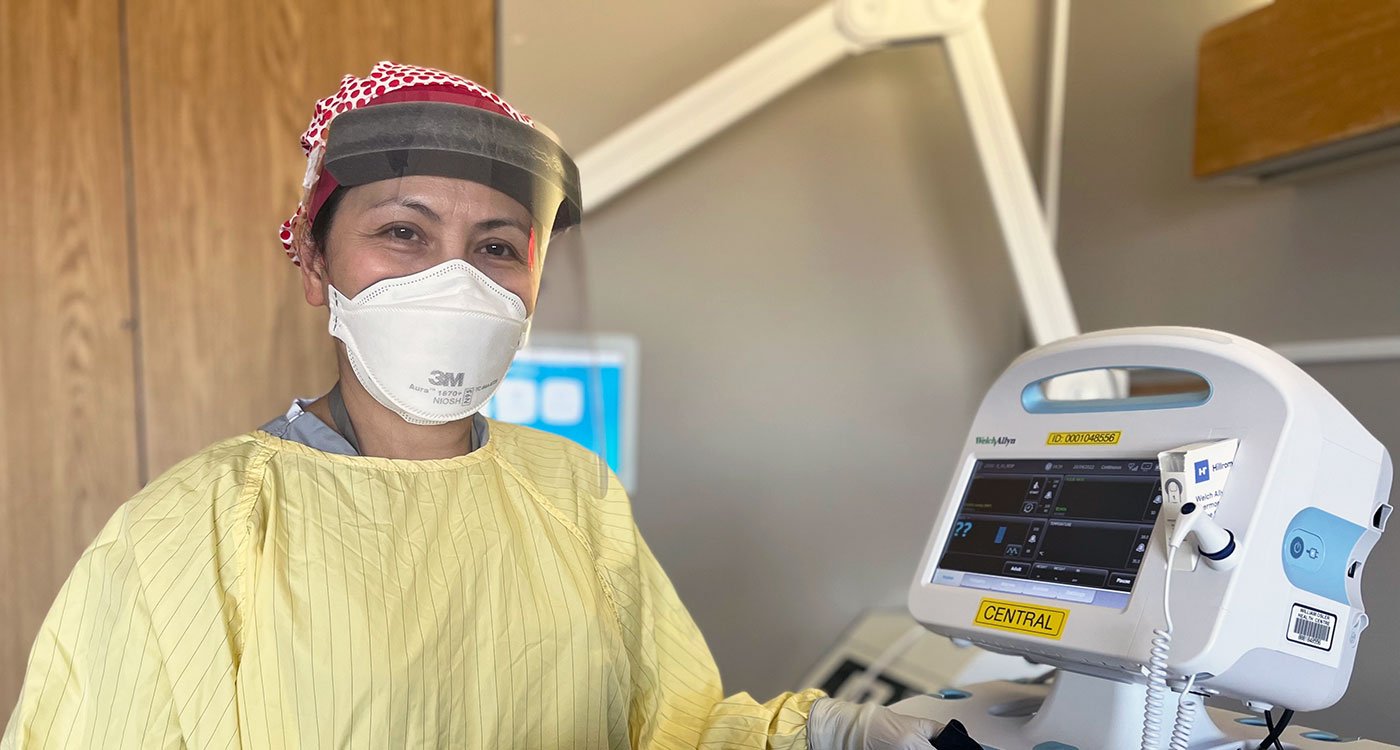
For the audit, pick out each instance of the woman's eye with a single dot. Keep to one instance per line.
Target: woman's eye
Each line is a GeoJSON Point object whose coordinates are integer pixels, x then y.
{"type": "Point", "coordinates": [403, 233]}
{"type": "Point", "coordinates": [498, 249]}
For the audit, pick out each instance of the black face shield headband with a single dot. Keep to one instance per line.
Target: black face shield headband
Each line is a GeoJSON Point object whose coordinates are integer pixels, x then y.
{"type": "Point", "coordinates": [442, 139]}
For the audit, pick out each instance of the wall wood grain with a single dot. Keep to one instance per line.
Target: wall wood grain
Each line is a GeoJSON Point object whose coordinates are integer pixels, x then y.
{"type": "Point", "coordinates": [68, 443]}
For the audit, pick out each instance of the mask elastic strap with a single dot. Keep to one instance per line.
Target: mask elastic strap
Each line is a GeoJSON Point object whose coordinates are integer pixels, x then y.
{"type": "Point", "coordinates": [342, 417]}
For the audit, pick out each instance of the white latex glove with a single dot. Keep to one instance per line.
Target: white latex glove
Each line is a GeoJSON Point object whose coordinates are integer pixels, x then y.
{"type": "Point", "coordinates": [839, 725]}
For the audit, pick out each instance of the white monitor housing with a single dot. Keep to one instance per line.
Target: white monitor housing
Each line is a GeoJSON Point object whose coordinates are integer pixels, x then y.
{"type": "Point", "coordinates": [1046, 545]}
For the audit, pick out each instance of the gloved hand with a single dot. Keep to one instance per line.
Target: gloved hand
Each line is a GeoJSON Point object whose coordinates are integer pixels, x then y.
{"type": "Point", "coordinates": [839, 725]}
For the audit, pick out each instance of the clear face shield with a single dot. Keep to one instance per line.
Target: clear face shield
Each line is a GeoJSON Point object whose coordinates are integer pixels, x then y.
{"type": "Point", "coordinates": [572, 380]}
{"type": "Point", "coordinates": [434, 238]}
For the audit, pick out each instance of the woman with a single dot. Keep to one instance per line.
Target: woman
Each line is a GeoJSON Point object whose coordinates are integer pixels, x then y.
{"type": "Point", "coordinates": [384, 567]}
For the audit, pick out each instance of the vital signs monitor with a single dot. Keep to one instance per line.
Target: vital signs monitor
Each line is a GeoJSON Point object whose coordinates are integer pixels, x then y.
{"type": "Point", "coordinates": [1054, 539]}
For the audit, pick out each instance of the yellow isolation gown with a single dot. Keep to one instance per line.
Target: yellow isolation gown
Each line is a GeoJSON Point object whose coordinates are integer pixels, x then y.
{"type": "Point", "coordinates": [264, 594]}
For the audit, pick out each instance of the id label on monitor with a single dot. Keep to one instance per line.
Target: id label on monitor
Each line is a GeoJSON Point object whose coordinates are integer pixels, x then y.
{"type": "Point", "coordinates": [1016, 617]}
{"type": "Point", "coordinates": [1097, 437]}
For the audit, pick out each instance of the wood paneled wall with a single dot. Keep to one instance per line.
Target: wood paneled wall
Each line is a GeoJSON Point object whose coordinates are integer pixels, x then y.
{"type": "Point", "coordinates": [146, 308]}
{"type": "Point", "coordinates": [67, 400]}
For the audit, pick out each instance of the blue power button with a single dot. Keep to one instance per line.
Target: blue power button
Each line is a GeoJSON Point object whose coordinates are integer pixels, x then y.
{"type": "Point", "coordinates": [1306, 550]}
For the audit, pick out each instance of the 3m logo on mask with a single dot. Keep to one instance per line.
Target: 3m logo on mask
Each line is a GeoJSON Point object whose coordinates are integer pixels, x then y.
{"type": "Point", "coordinates": [446, 379]}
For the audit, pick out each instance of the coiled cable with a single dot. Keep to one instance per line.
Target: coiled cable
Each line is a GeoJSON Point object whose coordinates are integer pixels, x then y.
{"type": "Point", "coordinates": [1185, 718]}
{"type": "Point", "coordinates": [1157, 667]}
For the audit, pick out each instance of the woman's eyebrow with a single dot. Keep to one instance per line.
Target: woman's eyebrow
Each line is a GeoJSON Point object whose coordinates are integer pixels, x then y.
{"type": "Point", "coordinates": [497, 223]}
{"type": "Point", "coordinates": [412, 203]}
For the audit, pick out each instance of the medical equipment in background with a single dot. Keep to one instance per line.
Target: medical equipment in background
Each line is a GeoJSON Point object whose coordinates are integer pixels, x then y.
{"type": "Point", "coordinates": [844, 28]}
{"type": "Point", "coordinates": [885, 656]}
{"type": "Point", "coordinates": [1048, 547]}
{"type": "Point", "coordinates": [849, 27]}
{"type": "Point", "coordinates": [560, 380]}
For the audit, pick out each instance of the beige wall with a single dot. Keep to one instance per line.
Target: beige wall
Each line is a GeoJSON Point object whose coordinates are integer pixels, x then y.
{"type": "Point", "coordinates": [1315, 259]}
{"type": "Point", "coordinates": [821, 296]}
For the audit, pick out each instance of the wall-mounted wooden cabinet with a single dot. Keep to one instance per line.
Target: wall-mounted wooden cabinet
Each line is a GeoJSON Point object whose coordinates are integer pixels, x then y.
{"type": "Point", "coordinates": [1298, 85]}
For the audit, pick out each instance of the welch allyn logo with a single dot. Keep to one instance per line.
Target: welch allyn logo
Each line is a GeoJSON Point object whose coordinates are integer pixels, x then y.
{"type": "Point", "coordinates": [1003, 440]}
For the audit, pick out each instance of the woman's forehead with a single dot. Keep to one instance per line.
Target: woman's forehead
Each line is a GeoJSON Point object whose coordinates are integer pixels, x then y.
{"type": "Point", "coordinates": [443, 196]}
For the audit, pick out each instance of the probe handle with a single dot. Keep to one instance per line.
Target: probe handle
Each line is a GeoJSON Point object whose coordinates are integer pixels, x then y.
{"type": "Point", "coordinates": [1215, 542]}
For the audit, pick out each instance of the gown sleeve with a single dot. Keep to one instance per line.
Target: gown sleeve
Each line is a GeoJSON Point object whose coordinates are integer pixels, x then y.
{"type": "Point", "coordinates": [95, 676]}
{"type": "Point", "coordinates": [677, 699]}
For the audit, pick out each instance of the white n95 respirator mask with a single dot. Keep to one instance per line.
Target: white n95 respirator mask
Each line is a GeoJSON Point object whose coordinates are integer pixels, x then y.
{"type": "Point", "coordinates": [434, 346]}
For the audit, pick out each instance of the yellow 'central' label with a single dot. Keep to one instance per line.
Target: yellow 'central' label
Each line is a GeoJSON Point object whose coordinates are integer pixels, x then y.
{"type": "Point", "coordinates": [1030, 619]}
{"type": "Point", "coordinates": [1102, 437]}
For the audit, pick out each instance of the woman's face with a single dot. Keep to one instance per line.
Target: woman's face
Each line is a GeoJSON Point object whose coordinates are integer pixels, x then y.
{"type": "Point", "coordinates": [399, 227]}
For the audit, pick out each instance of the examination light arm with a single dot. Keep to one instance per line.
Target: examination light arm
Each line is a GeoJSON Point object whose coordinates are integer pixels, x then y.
{"type": "Point", "coordinates": [815, 42]}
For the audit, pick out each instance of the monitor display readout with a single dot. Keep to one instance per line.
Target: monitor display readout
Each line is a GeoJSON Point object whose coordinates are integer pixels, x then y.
{"type": "Point", "coordinates": [1056, 529]}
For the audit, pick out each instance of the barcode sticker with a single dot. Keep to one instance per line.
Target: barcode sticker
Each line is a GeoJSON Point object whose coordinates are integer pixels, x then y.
{"type": "Point", "coordinates": [1311, 627]}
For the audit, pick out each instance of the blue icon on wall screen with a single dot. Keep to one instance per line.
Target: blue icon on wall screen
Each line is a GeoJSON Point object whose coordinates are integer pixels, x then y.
{"type": "Point", "coordinates": [583, 392]}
